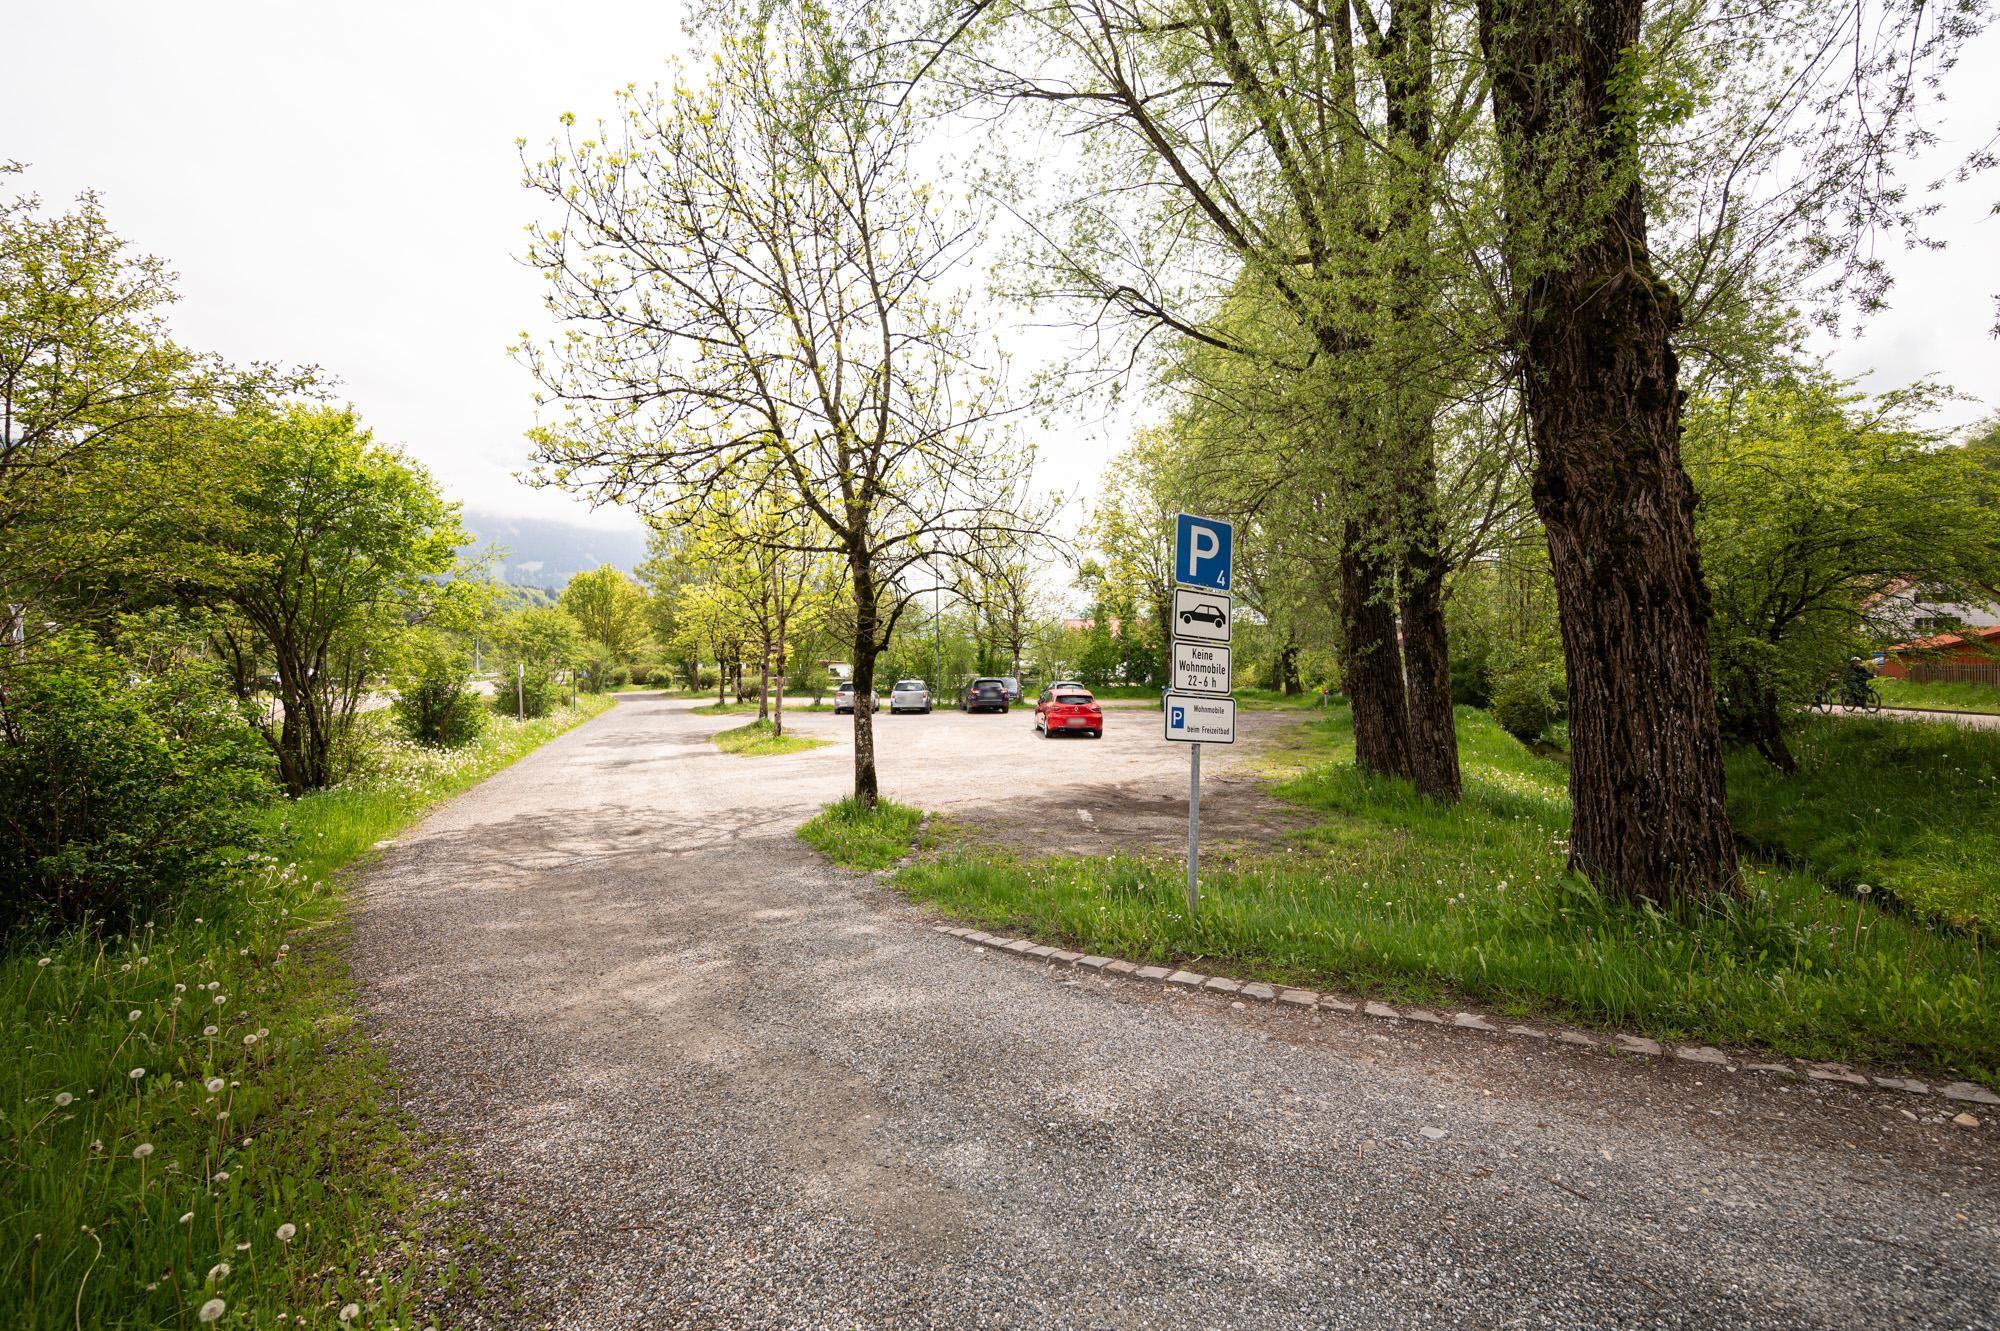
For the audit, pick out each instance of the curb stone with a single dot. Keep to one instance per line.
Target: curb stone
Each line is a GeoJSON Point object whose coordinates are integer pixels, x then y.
{"type": "Point", "coordinates": [1618, 1042]}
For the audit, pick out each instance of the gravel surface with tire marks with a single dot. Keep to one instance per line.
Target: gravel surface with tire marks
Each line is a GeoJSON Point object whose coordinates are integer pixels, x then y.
{"type": "Point", "coordinates": [705, 1081]}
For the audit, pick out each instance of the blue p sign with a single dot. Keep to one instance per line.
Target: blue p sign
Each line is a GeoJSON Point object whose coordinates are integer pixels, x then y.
{"type": "Point", "coordinates": [1177, 718]}
{"type": "Point", "coordinates": [1202, 551]}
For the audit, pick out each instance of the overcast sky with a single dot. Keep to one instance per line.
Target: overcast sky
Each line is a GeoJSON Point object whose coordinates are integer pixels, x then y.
{"type": "Point", "coordinates": [338, 184]}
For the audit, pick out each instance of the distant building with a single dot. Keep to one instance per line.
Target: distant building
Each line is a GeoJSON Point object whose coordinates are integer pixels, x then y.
{"type": "Point", "coordinates": [1919, 617]}
{"type": "Point", "coordinates": [1969, 656]}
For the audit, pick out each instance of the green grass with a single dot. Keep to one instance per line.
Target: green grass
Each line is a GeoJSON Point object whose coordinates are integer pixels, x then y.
{"type": "Point", "coordinates": [857, 837]}
{"type": "Point", "coordinates": [1945, 697]}
{"type": "Point", "coordinates": [248, 993]}
{"type": "Point", "coordinates": [1271, 700]}
{"type": "Point", "coordinates": [1910, 809]}
{"type": "Point", "coordinates": [1390, 893]}
{"type": "Point", "coordinates": [756, 741]}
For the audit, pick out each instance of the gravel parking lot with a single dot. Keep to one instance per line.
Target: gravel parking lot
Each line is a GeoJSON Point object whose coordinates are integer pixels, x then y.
{"type": "Point", "coordinates": [702, 1080]}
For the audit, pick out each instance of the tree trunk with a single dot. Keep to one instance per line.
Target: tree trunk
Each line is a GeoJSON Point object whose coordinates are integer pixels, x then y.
{"type": "Point", "coordinates": [1603, 395]}
{"type": "Point", "coordinates": [1372, 668]}
{"type": "Point", "coordinates": [778, 703]}
{"type": "Point", "coordinates": [866, 791]}
{"type": "Point", "coordinates": [764, 687]}
{"type": "Point", "coordinates": [1426, 654]}
{"type": "Point", "coordinates": [1288, 671]}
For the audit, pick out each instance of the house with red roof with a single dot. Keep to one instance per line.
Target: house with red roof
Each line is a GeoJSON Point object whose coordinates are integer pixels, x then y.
{"type": "Point", "coordinates": [1968, 656]}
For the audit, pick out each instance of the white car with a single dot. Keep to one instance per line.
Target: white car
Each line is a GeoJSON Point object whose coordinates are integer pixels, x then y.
{"type": "Point", "coordinates": [910, 695]}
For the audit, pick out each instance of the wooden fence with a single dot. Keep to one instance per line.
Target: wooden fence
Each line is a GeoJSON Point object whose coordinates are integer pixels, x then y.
{"type": "Point", "coordinates": [1964, 672]}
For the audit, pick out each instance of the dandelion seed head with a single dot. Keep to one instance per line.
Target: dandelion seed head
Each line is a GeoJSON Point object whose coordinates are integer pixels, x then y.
{"type": "Point", "coordinates": [64, 1099]}
{"type": "Point", "coordinates": [142, 1150]}
{"type": "Point", "coordinates": [133, 1015]}
{"type": "Point", "coordinates": [214, 1085]}
{"type": "Point", "coordinates": [286, 1232]}
{"type": "Point", "coordinates": [188, 1219]}
{"type": "Point", "coordinates": [136, 1073]}
{"type": "Point", "coordinates": [350, 1312]}
{"type": "Point", "coordinates": [211, 1310]}
{"type": "Point", "coordinates": [220, 1271]}
{"type": "Point", "coordinates": [208, 1030]}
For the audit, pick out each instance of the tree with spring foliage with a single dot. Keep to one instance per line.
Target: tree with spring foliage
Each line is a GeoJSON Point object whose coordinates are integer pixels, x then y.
{"type": "Point", "coordinates": [610, 608]}
{"type": "Point", "coordinates": [115, 448]}
{"type": "Point", "coordinates": [751, 286]}
{"type": "Point", "coordinates": [1817, 506]}
{"type": "Point", "coordinates": [335, 546]}
{"type": "Point", "coordinates": [1767, 137]}
{"type": "Point", "coordinates": [1247, 153]}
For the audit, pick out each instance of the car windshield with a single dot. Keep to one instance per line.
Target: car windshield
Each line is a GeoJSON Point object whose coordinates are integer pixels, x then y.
{"type": "Point", "coordinates": [909, 686]}
{"type": "Point", "coordinates": [1074, 698]}
{"type": "Point", "coordinates": [987, 684]}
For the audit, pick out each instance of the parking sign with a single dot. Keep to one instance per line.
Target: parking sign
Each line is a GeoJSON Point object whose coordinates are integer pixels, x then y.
{"type": "Point", "coordinates": [1203, 548]}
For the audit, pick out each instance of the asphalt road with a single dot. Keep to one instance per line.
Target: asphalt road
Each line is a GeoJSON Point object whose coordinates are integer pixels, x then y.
{"type": "Point", "coordinates": [702, 1080]}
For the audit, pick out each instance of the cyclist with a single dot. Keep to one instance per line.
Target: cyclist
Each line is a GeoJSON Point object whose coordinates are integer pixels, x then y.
{"type": "Point", "coordinates": [1857, 679]}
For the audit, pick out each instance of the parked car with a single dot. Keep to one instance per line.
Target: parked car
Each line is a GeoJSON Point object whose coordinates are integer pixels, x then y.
{"type": "Point", "coordinates": [1049, 690]}
{"type": "Point", "coordinates": [1068, 709]}
{"type": "Point", "coordinates": [910, 695]}
{"type": "Point", "coordinates": [843, 699]}
{"type": "Point", "coordinates": [1208, 614]}
{"type": "Point", "coordinates": [1013, 687]}
{"type": "Point", "coordinates": [984, 695]}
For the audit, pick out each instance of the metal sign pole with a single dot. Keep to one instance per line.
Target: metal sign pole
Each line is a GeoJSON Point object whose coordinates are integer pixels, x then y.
{"type": "Point", "coordinates": [1194, 826]}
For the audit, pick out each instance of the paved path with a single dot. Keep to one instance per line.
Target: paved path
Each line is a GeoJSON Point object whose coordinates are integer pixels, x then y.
{"type": "Point", "coordinates": [1971, 720]}
{"type": "Point", "coordinates": [704, 1081]}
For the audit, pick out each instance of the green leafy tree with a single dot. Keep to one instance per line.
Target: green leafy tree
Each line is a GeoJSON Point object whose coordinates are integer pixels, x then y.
{"type": "Point", "coordinates": [610, 608]}
{"type": "Point", "coordinates": [751, 280]}
{"type": "Point", "coordinates": [1816, 505]}
{"type": "Point", "coordinates": [114, 455]}
{"type": "Point", "coordinates": [534, 650]}
{"type": "Point", "coordinates": [336, 546]}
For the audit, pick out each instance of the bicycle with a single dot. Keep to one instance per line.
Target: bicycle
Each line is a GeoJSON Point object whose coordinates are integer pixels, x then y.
{"type": "Point", "coordinates": [1849, 696]}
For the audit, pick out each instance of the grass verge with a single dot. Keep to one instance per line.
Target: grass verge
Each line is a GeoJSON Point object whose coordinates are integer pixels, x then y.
{"type": "Point", "coordinates": [193, 1113]}
{"type": "Point", "coordinates": [856, 837]}
{"type": "Point", "coordinates": [1906, 808]}
{"type": "Point", "coordinates": [1390, 893]}
{"type": "Point", "coordinates": [756, 741]}
{"type": "Point", "coordinates": [1945, 697]}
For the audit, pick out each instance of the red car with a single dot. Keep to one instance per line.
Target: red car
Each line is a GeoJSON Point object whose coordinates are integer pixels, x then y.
{"type": "Point", "coordinates": [1068, 709]}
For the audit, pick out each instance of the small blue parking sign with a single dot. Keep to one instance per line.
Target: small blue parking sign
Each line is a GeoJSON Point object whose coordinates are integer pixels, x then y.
{"type": "Point", "coordinates": [1202, 550]}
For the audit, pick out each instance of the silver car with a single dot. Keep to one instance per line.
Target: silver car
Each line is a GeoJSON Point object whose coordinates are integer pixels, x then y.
{"type": "Point", "coordinates": [910, 695]}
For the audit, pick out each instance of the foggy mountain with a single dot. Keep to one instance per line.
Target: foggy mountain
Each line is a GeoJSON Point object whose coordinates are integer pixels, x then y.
{"type": "Point", "coordinates": [540, 552]}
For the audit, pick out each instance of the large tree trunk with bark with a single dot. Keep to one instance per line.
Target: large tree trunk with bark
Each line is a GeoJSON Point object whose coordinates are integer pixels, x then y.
{"type": "Point", "coordinates": [1427, 675]}
{"type": "Point", "coordinates": [866, 624]}
{"type": "Point", "coordinates": [1371, 665]}
{"type": "Point", "coordinates": [1603, 395]}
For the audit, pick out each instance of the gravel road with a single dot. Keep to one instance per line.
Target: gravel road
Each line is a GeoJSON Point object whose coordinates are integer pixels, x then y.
{"type": "Point", "coordinates": [703, 1080]}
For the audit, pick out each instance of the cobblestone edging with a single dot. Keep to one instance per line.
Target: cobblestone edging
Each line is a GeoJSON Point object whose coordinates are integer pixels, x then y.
{"type": "Point", "coordinates": [1304, 999]}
